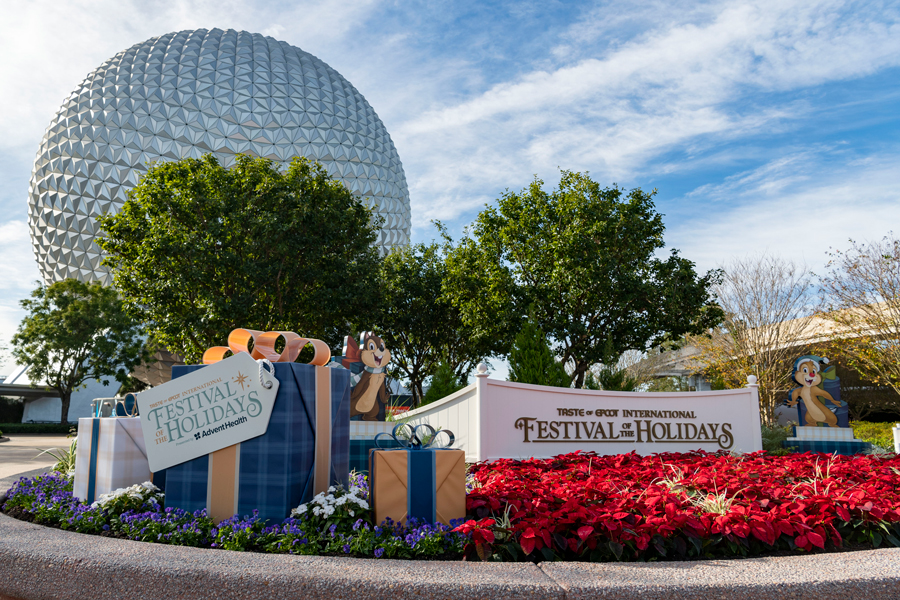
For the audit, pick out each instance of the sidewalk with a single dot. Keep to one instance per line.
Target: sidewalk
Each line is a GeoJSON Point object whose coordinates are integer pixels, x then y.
{"type": "Point", "coordinates": [20, 455]}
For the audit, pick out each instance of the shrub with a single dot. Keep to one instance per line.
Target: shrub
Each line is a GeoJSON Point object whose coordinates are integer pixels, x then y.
{"type": "Point", "coordinates": [772, 438]}
{"type": "Point", "coordinates": [532, 361]}
{"type": "Point", "coordinates": [877, 434]}
{"type": "Point", "coordinates": [443, 383]}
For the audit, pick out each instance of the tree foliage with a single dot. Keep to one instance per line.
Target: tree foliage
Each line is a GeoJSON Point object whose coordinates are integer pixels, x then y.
{"type": "Point", "coordinates": [861, 298]}
{"type": "Point", "coordinates": [420, 326]}
{"type": "Point", "coordinates": [444, 382]}
{"type": "Point", "coordinates": [198, 250]}
{"type": "Point", "coordinates": [766, 301]}
{"type": "Point", "coordinates": [584, 257]}
{"type": "Point", "coordinates": [75, 332]}
{"type": "Point", "coordinates": [531, 360]}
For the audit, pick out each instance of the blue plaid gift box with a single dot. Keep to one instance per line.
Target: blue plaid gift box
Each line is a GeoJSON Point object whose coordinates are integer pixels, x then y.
{"type": "Point", "coordinates": [302, 453]}
{"type": "Point", "coordinates": [827, 446]}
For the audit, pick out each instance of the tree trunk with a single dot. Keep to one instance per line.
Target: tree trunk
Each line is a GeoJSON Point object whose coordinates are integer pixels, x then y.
{"type": "Point", "coordinates": [66, 398]}
{"type": "Point", "coordinates": [579, 373]}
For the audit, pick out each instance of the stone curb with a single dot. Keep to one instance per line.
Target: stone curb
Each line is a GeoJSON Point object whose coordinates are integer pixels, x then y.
{"type": "Point", "coordinates": [38, 563]}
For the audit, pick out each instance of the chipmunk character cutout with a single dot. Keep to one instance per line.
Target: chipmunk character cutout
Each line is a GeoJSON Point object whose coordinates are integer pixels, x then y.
{"type": "Point", "coordinates": [371, 388]}
{"type": "Point", "coordinates": [806, 373]}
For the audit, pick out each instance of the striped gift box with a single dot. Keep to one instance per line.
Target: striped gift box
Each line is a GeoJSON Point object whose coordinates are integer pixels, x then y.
{"type": "Point", "coordinates": [302, 451]}
{"type": "Point", "coordinates": [824, 434]}
{"type": "Point", "coordinates": [110, 454]}
{"type": "Point", "coordinates": [367, 430]}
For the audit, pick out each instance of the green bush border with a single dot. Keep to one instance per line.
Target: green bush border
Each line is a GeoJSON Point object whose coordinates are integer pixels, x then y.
{"type": "Point", "coordinates": [877, 434]}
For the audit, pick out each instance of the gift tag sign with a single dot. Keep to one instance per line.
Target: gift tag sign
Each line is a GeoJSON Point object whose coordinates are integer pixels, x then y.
{"type": "Point", "coordinates": [220, 405]}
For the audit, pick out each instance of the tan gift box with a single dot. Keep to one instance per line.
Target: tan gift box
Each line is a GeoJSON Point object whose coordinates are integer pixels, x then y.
{"type": "Point", "coordinates": [427, 484]}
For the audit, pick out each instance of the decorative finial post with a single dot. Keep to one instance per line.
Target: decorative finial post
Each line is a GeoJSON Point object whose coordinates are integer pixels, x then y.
{"type": "Point", "coordinates": [751, 381]}
{"type": "Point", "coordinates": [481, 370]}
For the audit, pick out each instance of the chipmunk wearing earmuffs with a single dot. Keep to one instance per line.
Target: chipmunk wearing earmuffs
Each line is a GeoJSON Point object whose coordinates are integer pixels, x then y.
{"type": "Point", "coordinates": [371, 388]}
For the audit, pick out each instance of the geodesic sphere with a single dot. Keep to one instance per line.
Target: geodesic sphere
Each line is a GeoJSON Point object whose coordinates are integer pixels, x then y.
{"type": "Point", "coordinates": [186, 94]}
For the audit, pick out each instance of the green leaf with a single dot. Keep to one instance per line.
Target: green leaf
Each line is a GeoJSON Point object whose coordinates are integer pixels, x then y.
{"type": "Point", "coordinates": [198, 250]}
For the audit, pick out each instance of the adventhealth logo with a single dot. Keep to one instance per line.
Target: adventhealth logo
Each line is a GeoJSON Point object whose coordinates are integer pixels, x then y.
{"type": "Point", "coordinates": [221, 427]}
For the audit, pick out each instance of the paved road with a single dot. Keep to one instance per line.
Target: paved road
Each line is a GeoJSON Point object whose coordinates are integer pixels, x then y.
{"type": "Point", "coordinates": [20, 455]}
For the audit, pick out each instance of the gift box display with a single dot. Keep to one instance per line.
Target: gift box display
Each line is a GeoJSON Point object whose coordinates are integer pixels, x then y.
{"type": "Point", "coordinates": [110, 454]}
{"type": "Point", "coordinates": [305, 449]}
{"type": "Point", "coordinates": [418, 479]}
{"type": "Point", "coordinates": [362, 442]}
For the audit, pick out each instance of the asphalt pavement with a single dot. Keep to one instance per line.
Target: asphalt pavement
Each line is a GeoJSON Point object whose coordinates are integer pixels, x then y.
{"type": "Point", "coordinates": [22, 454]}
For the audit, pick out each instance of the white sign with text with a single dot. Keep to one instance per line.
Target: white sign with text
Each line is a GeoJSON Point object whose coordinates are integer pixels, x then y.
{"type": "Point", "coordinates": [220, 405]}
{"type": "Point", "coordinates": [527, 423]}
{"type": "Point", "coordinates": [500, 419]}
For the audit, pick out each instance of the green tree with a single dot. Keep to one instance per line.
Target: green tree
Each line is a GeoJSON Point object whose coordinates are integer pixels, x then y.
{"type": "Point", "coordinates": [75, 332]}
{"type": "Point", "coordinates": [198, 250]}
{"type": "Point", "coordinates": [420, 326]}
{"type": "Point", "coordinates": [610, 378]}
{"type": "Point", "coordinates": [584, 257]}
{"type": "Point", "coordinates": [443, 383]}
{"type": "Point", "coordinates": [532, 361]}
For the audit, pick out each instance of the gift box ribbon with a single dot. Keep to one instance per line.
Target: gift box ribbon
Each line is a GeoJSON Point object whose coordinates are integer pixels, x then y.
{"type": "Point", "coordinates": [264, 347]}
{"type": "Point", "coordinates": [408, 437]}
{"type": "Point", "coordinates": [223, 480]}
{"type": "Point", "coordinates": [421, 464]}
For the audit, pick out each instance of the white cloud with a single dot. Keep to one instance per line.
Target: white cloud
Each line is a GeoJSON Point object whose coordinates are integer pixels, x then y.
{"type": "Point", "coordinates": [671, 86]}
{"type": "Point", "coordinates": [50, 46]}
{"type": "Point", "coordinates": [18, 274]}
{"type": "Point", "coordinates": [789, 208]}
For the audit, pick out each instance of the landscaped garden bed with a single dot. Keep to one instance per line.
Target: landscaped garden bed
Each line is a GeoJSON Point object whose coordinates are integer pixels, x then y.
{"type": "Point", "coordinates": [578, 506]}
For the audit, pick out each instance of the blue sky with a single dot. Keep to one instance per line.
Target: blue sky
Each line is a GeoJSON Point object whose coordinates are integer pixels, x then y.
{"type": "Point", "coordinates": [765, 126]}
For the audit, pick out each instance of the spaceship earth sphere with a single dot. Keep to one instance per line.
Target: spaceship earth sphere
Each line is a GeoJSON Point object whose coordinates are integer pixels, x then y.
{"type": "Point", "coordinates": [190, 93]}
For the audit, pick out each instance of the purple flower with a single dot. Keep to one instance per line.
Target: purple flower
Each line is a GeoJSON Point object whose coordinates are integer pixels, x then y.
{"type": "Point", "coordinates": [379, 552]}
{"type": "Point", "coordinates": [346, 548]}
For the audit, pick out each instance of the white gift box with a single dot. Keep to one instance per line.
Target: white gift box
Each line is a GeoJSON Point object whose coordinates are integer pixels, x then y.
{"type": "Point", "coordinates": [110, 454]}
{"type": "Point", "coordinates": [829, 434]}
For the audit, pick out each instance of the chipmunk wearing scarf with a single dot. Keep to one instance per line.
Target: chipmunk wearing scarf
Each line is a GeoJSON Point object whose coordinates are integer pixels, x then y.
{"type": "Point", "coordinates": [370, 389]}
{"type": "Point", "coordinates": [806, 373]}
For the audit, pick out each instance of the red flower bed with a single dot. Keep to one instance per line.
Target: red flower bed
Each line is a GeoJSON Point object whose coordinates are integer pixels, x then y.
{"type": "Point", "coordinates": [582, 506]}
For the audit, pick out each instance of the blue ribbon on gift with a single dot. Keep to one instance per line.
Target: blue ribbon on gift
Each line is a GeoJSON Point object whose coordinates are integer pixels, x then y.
{"type": "Point", "coordinates": [421, 467]}
{"type": "Point", "coordinates": [127, 407]}
{"type": "Point", "coordinates": [92, 466]}
{"type": "Point", "coordinates": [414, 440]}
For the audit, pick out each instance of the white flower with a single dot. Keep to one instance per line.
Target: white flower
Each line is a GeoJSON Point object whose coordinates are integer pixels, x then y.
{"type": "Point", "coordinates": [352, 514]}
{"type": "Point", "coordinates": [317, 511]}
